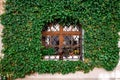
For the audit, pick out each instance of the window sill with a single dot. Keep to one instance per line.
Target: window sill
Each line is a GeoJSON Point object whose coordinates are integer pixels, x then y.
{"type": "Point", "coordinates": [56, 57]}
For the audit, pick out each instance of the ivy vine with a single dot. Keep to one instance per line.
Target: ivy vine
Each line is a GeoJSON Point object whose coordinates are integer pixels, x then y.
{"type": "Point", "coordinates": [24, 20]}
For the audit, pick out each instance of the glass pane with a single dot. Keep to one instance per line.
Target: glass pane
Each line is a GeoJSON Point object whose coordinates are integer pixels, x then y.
{"type": "Point", "coordinates": [75, 28]}
{"type": "Point", "coordinates": [66, 51]}
{"type": "Point", "coordinates": [56, 50]}
{"type": "Point", "coordinates": [46, 28]}
{"type": "Point", "coordinates": [66, 28]}
{"type": "Point", "coordinates": [55, 27]}
{"type": "Point", "coordinates": [67, 40]}
{"type": "Point", "coordinates": [76, 39]}
{"type": "Point", "coordinates": [54, 41]}
{"type": "Point", "coordinates": [47, 40]}
{"type": "Point", "coordinates": [76, 50]}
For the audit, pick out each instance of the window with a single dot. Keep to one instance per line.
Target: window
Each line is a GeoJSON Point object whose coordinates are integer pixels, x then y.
{"type": "Point", "coordinates": [65, 40]}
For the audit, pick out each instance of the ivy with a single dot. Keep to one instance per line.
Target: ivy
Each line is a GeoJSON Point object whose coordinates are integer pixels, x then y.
{"type": "Point", "coordinates": [24, 20]}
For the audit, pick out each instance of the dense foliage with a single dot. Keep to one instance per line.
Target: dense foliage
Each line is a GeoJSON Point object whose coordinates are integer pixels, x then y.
{"type": "Point", "coordinates": [23, 21]}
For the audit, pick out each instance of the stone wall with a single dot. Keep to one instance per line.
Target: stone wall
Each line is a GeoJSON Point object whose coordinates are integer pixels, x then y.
{"type": "Point", "coordinates": [96, 74]}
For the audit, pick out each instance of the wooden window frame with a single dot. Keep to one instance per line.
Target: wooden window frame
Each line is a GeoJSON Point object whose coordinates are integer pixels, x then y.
{"type": "Point", "coordinates": [61, 35]}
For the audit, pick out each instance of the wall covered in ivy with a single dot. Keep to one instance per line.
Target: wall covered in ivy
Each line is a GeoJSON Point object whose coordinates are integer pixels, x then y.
{"type": "Point", "coordinates": [24, 20]}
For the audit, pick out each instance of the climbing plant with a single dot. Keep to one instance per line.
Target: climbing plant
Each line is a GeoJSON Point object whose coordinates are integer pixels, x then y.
{"type": "Point", "coordinates": [24, 20]}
